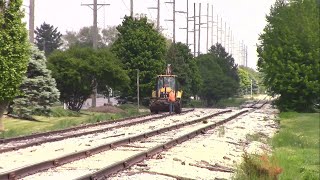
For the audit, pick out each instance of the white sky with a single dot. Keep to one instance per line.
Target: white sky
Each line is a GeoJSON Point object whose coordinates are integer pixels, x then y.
{"type": "Point", "coordinates": [246, 18]}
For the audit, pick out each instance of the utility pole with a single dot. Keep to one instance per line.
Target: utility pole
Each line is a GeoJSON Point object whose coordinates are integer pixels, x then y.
{"type": "Point", "coordinates": [199, 26]}
{"type": "Point", "coordinates": [225, 34]}
{"type": "Point", "coordinates": [217, 28]}
{"type": "Point", "coordinates": [131, 8]}
{"type": "Point", "coordinates": [207, 45]}
{"type": "Point", "coordinates": [231, 48]}
{"type": "Point", "coordinates": [194, 29]}
{"type": "Point", "coordinates": [229, 40]}
{"type": "Point", "coordinates": [212, 25]}
{"type": "Point", "coordinates": [187, 40]}
{"type": "Point", "coordinates": [173, 20]}
{"type": "Point", "coordinates": [95, 41]}
{"type": "Point", "coordinates": [31, 21]}
{"type": "Point", "coordinates": [221, 31]}
{"type": "Point", "coordinates": [246, 56]}
{"type": "Point", "coordinates": [158, 14]}
{"type": "Point", "coordinates": [187, 27]}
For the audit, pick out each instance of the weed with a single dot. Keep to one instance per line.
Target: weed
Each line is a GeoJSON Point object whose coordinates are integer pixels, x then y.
{"type": "Point", "coordinates": [257, 137]}
{"type": "Point", "coordinates": [221, 131]}
{"type": "Point", "coordinates": [257, 167]}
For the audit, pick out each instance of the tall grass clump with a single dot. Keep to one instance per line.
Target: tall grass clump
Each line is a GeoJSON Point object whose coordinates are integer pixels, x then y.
{"type": "Point", "coordinates": [257, 167]}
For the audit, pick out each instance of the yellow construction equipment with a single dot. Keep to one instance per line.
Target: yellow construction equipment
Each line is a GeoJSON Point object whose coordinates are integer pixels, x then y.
{"type": "Point", "coordinates": [160, 95]}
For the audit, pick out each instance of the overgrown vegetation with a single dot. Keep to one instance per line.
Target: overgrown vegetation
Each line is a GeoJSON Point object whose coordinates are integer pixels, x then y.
{"type": "Point", "coordinates": [258, 167]}
{"type": "Point", "coordinates": [289, 54]}
{"type": "Point", "coordinates": [296, 151]}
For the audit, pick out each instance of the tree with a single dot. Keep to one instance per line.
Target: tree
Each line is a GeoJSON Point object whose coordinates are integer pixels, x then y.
{"type": "Point", "coordinates": [212, 76]}
{"type": "Point", "coordinates": [244, 81]}
{"type": "Point", "coordinates": [219, 75]}
{"type": "Point", "coordinates": [140, 46]}
{"type": "Point", "coordinates": [14, 52]}
{"type": "Point", "coordinates": [83, 38]}
{"type": "Point", "coordinates": [48, 38]}
{"type": "Point", "coordinates": [109, 35]}
{"type": "Point", "coordinates": [185, 67]}
{"type": "Point", "coordinates": [225, 61]}
{"type": "Point", "coordinates": [289, 54]}
{"type": "Point", "coordinates": [76, 68]}
{"type": "Point", "coordinates": [38, 87]}
{"type": "Point", "coordinates": [247, 74]}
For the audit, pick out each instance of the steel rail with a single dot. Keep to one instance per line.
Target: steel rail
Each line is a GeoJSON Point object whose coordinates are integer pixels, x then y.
{"type": "Point", "coordinates": [29, 144]}
{"type": "Point", "coordinates": [35, 135]}
{"type": "Point", "coordinates": [121, 165]}
{"type": "Point", "coordinates": [30, 169]}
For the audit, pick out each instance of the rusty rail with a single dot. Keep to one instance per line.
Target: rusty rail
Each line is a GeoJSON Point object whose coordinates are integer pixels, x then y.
{"type": "Point", "coordinates": [121, 165]}
{"type": "Point", "coordinates": [24, 171]}
{"type": "Point", "coordinates": [76, 135]}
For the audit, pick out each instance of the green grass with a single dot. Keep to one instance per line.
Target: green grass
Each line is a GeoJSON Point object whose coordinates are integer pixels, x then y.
{"type": "Point", "coordinates": [297, 146]}
{"type": "Point", "coordinates": [231, 102]}
{"type": "Point", "coordinates": [61, 119]}
{"type": "Point", "coordinates": [295, 151]}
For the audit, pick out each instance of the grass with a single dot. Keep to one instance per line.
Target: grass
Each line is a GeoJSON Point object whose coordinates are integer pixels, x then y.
{"type": "Point", "coordinates": [297, 146]}
{"type": "Point", "coordinates": [61, 119]}
{"type": "Point", "coordinates": [231, 102]}
{"type": "Point", "coordinates": [257, 137]}
{"type": "Point", "coordinates": [295, 155]}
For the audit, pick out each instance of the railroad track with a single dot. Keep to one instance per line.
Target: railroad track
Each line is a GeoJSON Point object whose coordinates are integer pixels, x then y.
{"type": "Point", "coordinates": [110, 147]}
{"type": "Point", "coordinates": [16, 143]}
{"type": "Point", "coordinates": [26, 168]}
{"type": "Point", "coordinates": [36, 154]}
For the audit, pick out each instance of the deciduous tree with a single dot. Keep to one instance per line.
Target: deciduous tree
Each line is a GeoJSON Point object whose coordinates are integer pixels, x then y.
{"type": "Point", "coordinates": [185, 67]}
{"type": "Point", "coordinates": [219, 75]}
{"type": "Point", "coordinates": [14, 52]}
{"type": "Point", "coordinates": [289, 54]}
{"type": "Point", "coordinates": [140, 46]}
{"type": "Point", "coordinates": [76, 68]}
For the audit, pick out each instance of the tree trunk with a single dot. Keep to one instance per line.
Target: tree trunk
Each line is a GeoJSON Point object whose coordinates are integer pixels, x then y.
{"type": "Point", "coordinates": [3, 106]}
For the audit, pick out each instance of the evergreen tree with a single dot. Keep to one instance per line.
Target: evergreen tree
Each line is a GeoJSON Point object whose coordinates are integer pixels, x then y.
{"type": "Point", "coordinates": [48, 38]}
{"type": "Point", "coordinates": [13, 52]}
{"type": "Point", "coordinates": [38, 87]}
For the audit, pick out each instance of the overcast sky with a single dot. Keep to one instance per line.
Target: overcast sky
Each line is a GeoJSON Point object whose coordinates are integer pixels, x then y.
{"type": "Point", "coordinates": [246, 18]}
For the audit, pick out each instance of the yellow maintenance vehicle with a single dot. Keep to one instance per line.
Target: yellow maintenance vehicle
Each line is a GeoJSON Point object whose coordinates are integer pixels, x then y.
{"type": "Point", "coordinates": [165, 83]}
